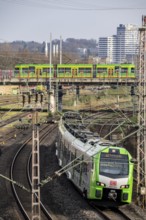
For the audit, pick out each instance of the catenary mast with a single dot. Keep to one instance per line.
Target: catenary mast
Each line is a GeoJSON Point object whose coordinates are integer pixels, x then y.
{"type": "Point", "coordinates": [141, 136]}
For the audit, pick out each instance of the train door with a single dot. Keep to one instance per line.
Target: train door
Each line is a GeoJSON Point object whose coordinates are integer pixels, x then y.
{"type": "Point", "coordinates": [110, 72]}
{"type": "Point", "coordinates": [74, 72]}
{"type": "Point", "coordinates": [38, 72]}
{"type": "Point", "coordinates": [94, 70]}
{"type": "Point", "coordinates": [117, 71]}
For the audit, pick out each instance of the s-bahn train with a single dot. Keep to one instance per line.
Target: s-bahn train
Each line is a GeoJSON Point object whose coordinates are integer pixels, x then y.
{"type": "Point", "coordinates": [75, 71]}
{"type": "Point", "coordinates": [101, 171]}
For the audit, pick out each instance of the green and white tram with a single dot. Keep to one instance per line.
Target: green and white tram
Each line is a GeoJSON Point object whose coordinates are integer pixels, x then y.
{"type": "Point", "coordinates": [98, 168]}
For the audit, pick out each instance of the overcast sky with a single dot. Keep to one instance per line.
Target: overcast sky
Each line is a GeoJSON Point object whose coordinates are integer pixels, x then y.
{"type": "Point", "coordinates": [34, 20]}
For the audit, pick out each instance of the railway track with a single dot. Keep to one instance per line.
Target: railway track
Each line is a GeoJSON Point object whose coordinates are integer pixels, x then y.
{"type": "Point", "coordinates": [111, 214]}
{"type": "Point", "coordinates": [19, 169]}
{"type": "Point", "coordinates": [59, 194]}
{"type": "Point", "coordinates": [12, 119]}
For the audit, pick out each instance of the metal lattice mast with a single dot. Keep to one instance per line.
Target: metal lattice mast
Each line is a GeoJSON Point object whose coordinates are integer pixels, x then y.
{"type": "Point", "coordinates": [141, 138]}
{"type": "Point", "coordinates": [35, 170]}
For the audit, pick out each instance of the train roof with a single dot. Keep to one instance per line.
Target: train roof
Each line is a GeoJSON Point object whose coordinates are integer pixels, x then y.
{"type": "Point", "coordinates": [81, 138]}
{"type": "Point", "coordinates": [77, 65]}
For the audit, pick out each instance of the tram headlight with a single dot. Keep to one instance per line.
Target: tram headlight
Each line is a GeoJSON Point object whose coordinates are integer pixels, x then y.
{"type": "Point", "coordinates": [124, 186]}
{"type": "Point", "coordinates": [100, 184]}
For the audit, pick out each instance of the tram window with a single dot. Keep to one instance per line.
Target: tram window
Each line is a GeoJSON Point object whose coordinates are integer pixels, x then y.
{"type": "Point", "coordinates": [117, 68]}
{"type": "Point", "coordinates": [67, 70]}
{"type": "Point", "coordinates": [132, 70]}
{"type": "Point", "coordinates": [46, 70]}
{"type": "Point", "coordinates": [124, 70]}
{"type": "Point", "coordinates": [84, 70]}
{"type": "Point", "coordinates": [60, 70]}
{"type": "Point", "coordinates": [31, 68]}
{"type": "Point", "coordinates": [81, 70]}
{"type": "Point", "coordinates": [17, 70]}
{"type": "Point", "coordinates": [25, 70]}
{"type": "Point", "coordinates": [87, 70]}
{"type": "Point", "coordinates": [102, 70]}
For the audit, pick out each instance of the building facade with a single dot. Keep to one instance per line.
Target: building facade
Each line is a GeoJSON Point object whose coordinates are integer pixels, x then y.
{"type": "Point", "coordinates": [127, 43]}
{"type": "Point", "coordinates": [122, 47]}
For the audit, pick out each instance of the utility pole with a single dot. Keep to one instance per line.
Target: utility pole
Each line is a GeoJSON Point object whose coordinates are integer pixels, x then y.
{"type": "Point", "coordinates": [60, 50]}
{"type": "Point", "coordinates": [50, 83]}
{"type": "Point", "coordinates": [35, 169]}
{"type": "Point", "coordinates": [141, 136]}
{"type": "Point", "coordinates": [35, 200]}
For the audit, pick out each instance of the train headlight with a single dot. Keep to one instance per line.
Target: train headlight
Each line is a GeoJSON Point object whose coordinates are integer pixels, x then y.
{"type": "Point", "coordinates": [100, 184]}
{"type": "Point", "coordinates": [124, 186]}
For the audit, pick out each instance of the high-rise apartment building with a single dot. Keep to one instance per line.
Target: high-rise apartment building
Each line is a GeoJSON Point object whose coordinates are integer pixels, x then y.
{"type": "Point", "coordinates": [107, 48]}
{"type": "Point", "coordinates": [127, 43]}
{"type": "Point", "coordinates": [122, 47]}
{"type": "Point", "coordinates": [103, 47]}
{"type": "Point", "coordinates": [111, 50]}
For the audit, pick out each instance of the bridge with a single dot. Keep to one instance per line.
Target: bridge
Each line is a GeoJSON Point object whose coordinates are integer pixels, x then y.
{"type": "Point", "coordinates": [7, 79]}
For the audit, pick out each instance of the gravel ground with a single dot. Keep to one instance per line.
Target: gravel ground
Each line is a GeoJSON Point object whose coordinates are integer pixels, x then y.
{"type": "Point", "coordinates": [8, 206]}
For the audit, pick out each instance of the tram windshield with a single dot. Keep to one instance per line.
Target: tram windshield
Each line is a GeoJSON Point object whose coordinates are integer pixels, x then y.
{"type": "Point", "coordinates": [114, 165]}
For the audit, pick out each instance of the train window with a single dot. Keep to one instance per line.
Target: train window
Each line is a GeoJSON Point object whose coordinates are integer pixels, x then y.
{"type": "Point", "coordinates": [25, 70]}
{"type": "Point", "coordinates": [87, 70]}
{"type": "Point", "coordinates": [46, 70]}
{"type": "Point", "coordinates": [84, 70]}
{"type": "Point", "coordinates": [81, 70]}
{"type": "Point", "coordinates": [72, 156]}
{"type": "Point", "coordinates": [16, 70]}
{"type": "Point", "coordinates": [132, 70]}
{"type": "Point", "coordinates": [77, 167]}
{"type": "Point", "coordinates": [67, 70]}
{"type": "Point", "coordinates": [65, 152]}
{"type": "Point", "coordinates": [117, 68]}
{"type": "Point", "coordinates": [114, 165]}
{"type": "Point", "coordinates": [84, 168]}
{"type": "Point", "coordinates": [31, 68]}
{"type": "Point", "coordinates": [124, 70]}
{"type": "Point", "coordinates": [60, 148]}
{"type": "Point", "coordinates": [60, 70]}
{"type": "Point", "coordinates": [101, 70]}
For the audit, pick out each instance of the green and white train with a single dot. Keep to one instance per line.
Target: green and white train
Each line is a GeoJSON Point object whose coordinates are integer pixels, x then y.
{"type": "Point", "coordinates": [101, 170]}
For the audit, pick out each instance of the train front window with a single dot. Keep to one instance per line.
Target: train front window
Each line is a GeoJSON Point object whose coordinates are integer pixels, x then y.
{"type": "Point", "coordinates": [114, 165]}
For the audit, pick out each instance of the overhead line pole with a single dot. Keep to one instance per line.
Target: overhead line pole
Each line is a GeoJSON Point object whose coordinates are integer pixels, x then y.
{"type": "Point", "coordinates": [50, 57]}
{"type": "Point", "coordinates": [35, 169]}
{"type": "Point", "coordinates": [60, 50]}
{"type": "Point", "coordinates": [50, 83]}
{"type": "Point", "coordinates": [141, 136]}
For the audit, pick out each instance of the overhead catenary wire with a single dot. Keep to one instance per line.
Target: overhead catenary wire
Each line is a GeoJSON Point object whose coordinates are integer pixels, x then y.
{"type": "Point", "coordinates": [68, 5]}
